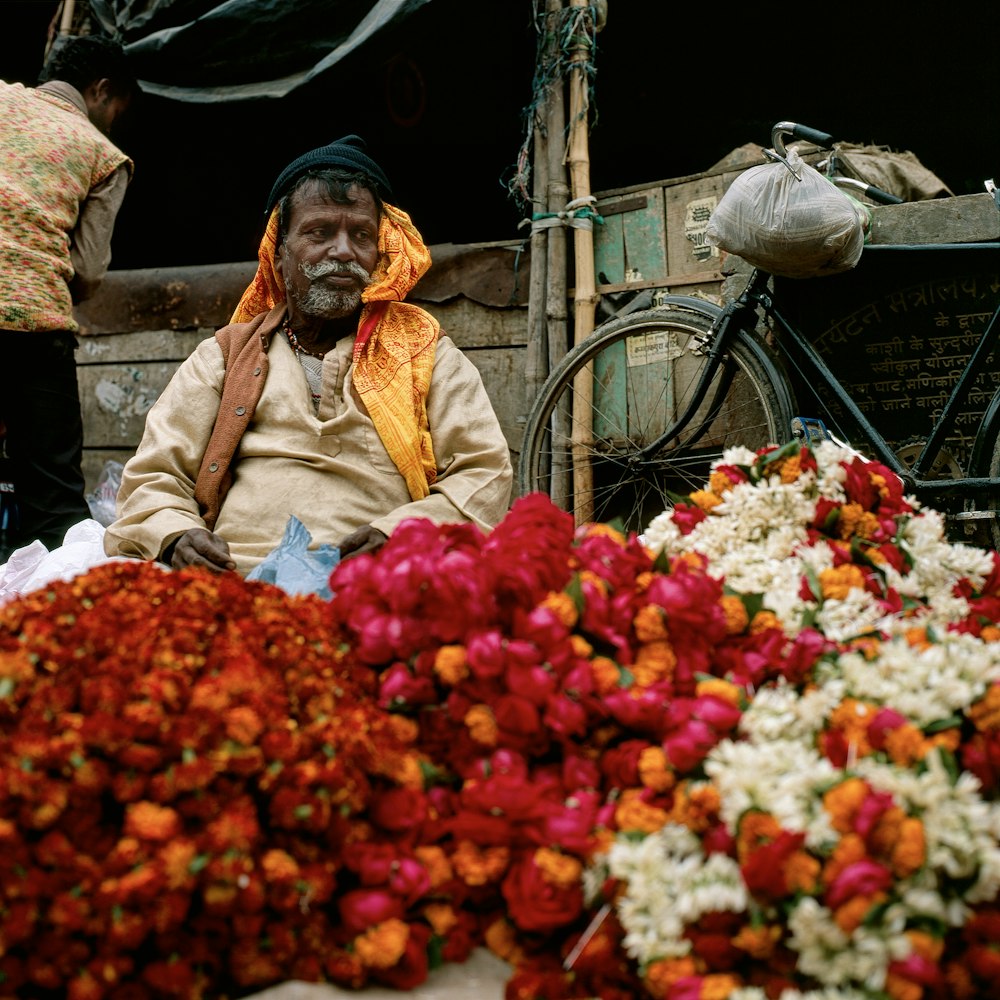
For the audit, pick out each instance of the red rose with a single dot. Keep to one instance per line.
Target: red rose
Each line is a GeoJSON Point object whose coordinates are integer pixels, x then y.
{"type": "Point", "coordinates": [411, 970]}
{"type": "Point", "coordinates": [363, 908]}
{"type": "Point", "coordinates": [534, 903]}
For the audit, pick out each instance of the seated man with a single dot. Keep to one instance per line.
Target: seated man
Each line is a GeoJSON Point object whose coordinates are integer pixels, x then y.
{"type": "Point", "coordinates": [327, 397]}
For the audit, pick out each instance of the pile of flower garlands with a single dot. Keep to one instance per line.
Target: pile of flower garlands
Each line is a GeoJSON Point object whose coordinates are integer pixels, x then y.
{"type": "Point", "coordinates": [754, 754]}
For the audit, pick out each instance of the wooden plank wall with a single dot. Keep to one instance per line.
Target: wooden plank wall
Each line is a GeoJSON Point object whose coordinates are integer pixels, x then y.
{"type": "Point", "coordinates": [142, 324]}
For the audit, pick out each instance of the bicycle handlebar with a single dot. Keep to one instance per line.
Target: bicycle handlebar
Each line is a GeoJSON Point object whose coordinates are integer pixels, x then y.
{"type": "Point", "coordinates": [803, 132]}
{"type": "Point", "coordinates": [825, 141]}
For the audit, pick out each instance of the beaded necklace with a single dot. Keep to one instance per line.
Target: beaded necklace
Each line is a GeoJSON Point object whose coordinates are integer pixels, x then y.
{"type": "Point", "coordinates": [296, 346]}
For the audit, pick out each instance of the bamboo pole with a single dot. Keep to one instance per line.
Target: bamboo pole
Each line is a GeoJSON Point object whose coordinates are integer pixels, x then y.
{"type": "Point", "coordinates": [585, 284]}
{"type": "Point", "coordinates": [536, 365]}
{"type": "Point", "coordinates": [556, 312]}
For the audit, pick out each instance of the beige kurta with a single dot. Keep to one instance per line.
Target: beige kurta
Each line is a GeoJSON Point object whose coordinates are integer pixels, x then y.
{"type": "Point", "coordinates": [328, 469]}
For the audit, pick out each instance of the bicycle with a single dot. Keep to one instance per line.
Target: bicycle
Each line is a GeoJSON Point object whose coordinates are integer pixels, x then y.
{"type": "Point", "coordinates": [633, 417]}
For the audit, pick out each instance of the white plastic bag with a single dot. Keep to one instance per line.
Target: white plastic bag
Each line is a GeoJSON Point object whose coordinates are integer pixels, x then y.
{"type": "Point", "coordinates": [797, 225]}
{"type": "Point", "coordinates": [103, 498]}
{"type": "Point", "coordinates": [295, 567]}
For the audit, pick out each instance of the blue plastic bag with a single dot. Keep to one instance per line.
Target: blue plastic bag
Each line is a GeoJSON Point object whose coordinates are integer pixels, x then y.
{"type": "Point", "coordinates": [294, 567]}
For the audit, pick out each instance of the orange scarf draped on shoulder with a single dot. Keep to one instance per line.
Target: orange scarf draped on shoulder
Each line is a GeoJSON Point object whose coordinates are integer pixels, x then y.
{"type": "Point", "coordinates": [394, 347]}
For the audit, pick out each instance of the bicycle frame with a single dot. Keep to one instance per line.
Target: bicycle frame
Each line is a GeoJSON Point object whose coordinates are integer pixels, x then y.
{"type": "Point", "coordinates": [793, 346]}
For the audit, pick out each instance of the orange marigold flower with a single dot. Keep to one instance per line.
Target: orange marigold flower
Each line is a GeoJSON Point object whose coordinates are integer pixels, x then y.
{"type": "Point", "coordinates": [910, 850]}
{"type": "Point", "coordinates": [696, 806]}
{"type": "Point", "coordinates": [836, 582]}
{"type": "Point", "coordinates": [718, 688]}
{"type": "Point", "coordinates": [441, 917]}
{"type": "Point", "coordinates": [926, 945]}
{"type": "Point", "coordinates": [661, 975]}
{"type": "Point", "coordinates": [985, 714]}
{"type": "Point", "coordinates": [580, 646]}
{"type": "Point", "coordinates": [758, 942]}
{"type": "Point", "coordinates": [849, 849]}
{"type": "Point", "coordinates": [562, 870]}
{"type": "Point", "coordinates": [451, 665]}
{"type": "Point", "coordinates": [563, 606]}
{"type": "Point", "coordinates": [849, 916]}
{"type": "Point", "coordinates": [899, 988]}
{"type": "Point", "coordinates": [916, 636]}
{"type": "Point", "coordinates": [602, 530]}
{"type": "Point", "coordinates": [479, 866]}
{"type": "Point", "coordinates": [436, 862]}
{"type": "Point", "coordinates": [176, 857]}
{"type": "Point", "coordinates": [650, 623]}
{"type": "Point", "coordinates": [764, 620]}
{"type": "Point", "coordinates": [735, 612]}
{"type": "Point", "coordinates": [906, 744]}
{"type": "Point", "coordinates": [482, 725]}
{"type": "Point", "coordinates": [705, 500]}
{"type": "Point", "coordinates": [718, 986]}
{"type": "Point", "coordinates": [403, 768]}
{"type": "Point", "coordinates": [403, 728]}
{"type": "Point", "coordinates": [989, 633]}
{"type": "Point", "coordinates": [279, 866]}
{"type": "Point", "coordinates": [597, 582]}
{"type": "Point", "coordinates": [149, 821]}
{"type": "Point", "coordinates": [855, 521]}
{"type": "Point", "coordinates": [653, 662]}
{"type": "Point", "coordinates": [634, 814]}
{"type": "Point", "coordinates": [852, 718]}
{"type": "Point", "coordinates": [719, 483]}
{"type": "Point", "coordinates": [382, 946]}
{"type": "Point", "coordinates": [606, 674]}
{"type": "Point", "coordinates": [654, 769]}
{"type": "Point", "coordinates": [756, 828]}
{"type": "Point", "coordinates": [802, 872]}
{"type": "Point", "coordinates": [16, 666]}
{"type": "Point", "coordinates": [501, 938]}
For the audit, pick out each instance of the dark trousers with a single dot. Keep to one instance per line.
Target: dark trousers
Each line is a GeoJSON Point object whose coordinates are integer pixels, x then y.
{"type": "Point", "coordinates": [40, 407]}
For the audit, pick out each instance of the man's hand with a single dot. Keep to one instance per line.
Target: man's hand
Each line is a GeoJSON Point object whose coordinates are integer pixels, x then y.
{"type": "Point", "coordinates": [200, 547]}
{"type": "Point", "coordinates": [365, 539]}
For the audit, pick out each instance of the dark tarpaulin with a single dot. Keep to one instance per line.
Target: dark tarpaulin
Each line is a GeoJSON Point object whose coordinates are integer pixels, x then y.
{"type": "Point", "coordinates": [202, 51]}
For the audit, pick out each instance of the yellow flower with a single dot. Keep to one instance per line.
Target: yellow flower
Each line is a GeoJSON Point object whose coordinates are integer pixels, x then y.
{"type": "Point", "coordinates": [985, 714]}
{"type": "Point", "coordinates": [450, 664]}
{"type": "Point", "coordinates": [562, 870]}
{"type": "Point", "coordinates": [482, 725]}
{"type": "Point", "coordinates": [650, 623]}
{"type": "Point", "coordinates": [441, 917]}
{"type": "Point", "coordinates": [843, 801]}
{"type": "Point", "coordinates": [382, 946]}
{"type": "Point", "coordinates": [654, 769]}
{"type": "Point", "coordinates": [478, 866]}
{"type": "Point", "coordinates": [735, 611]}
{"type": "Point", "coordinates": [634, 814]}
{"type": "Point", "coordinates": [562, 606]}
{"type": "Point", "coordinates": [837, 581]}
{"type": "Point", "coordinates": [705, 500]}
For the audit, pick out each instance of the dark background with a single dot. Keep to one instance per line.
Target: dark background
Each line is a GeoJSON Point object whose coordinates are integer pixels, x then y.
{"type": "Point", "coordinates": [441, 97]}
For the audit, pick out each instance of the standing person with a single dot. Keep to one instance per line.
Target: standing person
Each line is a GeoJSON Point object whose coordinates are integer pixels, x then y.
{"type": "Point", "coordinates": [340, 403]}
{"type": "Point", "coordinates": [62, 181]}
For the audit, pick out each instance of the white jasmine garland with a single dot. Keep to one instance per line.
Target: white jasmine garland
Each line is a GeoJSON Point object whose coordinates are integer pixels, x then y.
{"type": "Point", "coordinates": [671, 884]}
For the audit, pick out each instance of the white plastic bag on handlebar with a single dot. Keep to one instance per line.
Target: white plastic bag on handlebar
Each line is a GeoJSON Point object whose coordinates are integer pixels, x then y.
{"type": "Point", "coordinates": [796, 228]}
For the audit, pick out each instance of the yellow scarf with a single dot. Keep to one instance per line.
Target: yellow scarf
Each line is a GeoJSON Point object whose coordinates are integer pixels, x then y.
{"type": "Point", "coordinates": [394, 347]}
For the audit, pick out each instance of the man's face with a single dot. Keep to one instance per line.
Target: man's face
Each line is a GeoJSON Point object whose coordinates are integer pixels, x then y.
{"type": "Point", "coordinates": [329, 252]}
{"type": "Point", "coordinates": [104, 108]}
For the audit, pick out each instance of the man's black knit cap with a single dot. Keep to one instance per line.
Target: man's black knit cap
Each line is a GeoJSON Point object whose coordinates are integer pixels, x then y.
{"type": "Point", "coordinates": [348, 152]}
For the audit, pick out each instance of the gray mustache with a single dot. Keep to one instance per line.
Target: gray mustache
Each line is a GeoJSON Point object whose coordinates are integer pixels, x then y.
{"type": "Point", "coordinates": [323, 268]}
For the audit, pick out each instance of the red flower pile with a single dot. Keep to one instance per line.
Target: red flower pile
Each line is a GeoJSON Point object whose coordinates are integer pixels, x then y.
{"type": "Point", "coordinates": [207, 787]}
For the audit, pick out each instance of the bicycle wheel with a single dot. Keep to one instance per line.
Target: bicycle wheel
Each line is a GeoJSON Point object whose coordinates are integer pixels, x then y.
{"type": "Point", "coordinates": [619, 390]}
{"type": "Point", "coordinates": [986, 464]}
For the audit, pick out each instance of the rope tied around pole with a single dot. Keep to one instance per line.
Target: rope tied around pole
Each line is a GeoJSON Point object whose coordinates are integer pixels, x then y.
{"type": "Point", "coordinates": [578, 214]}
